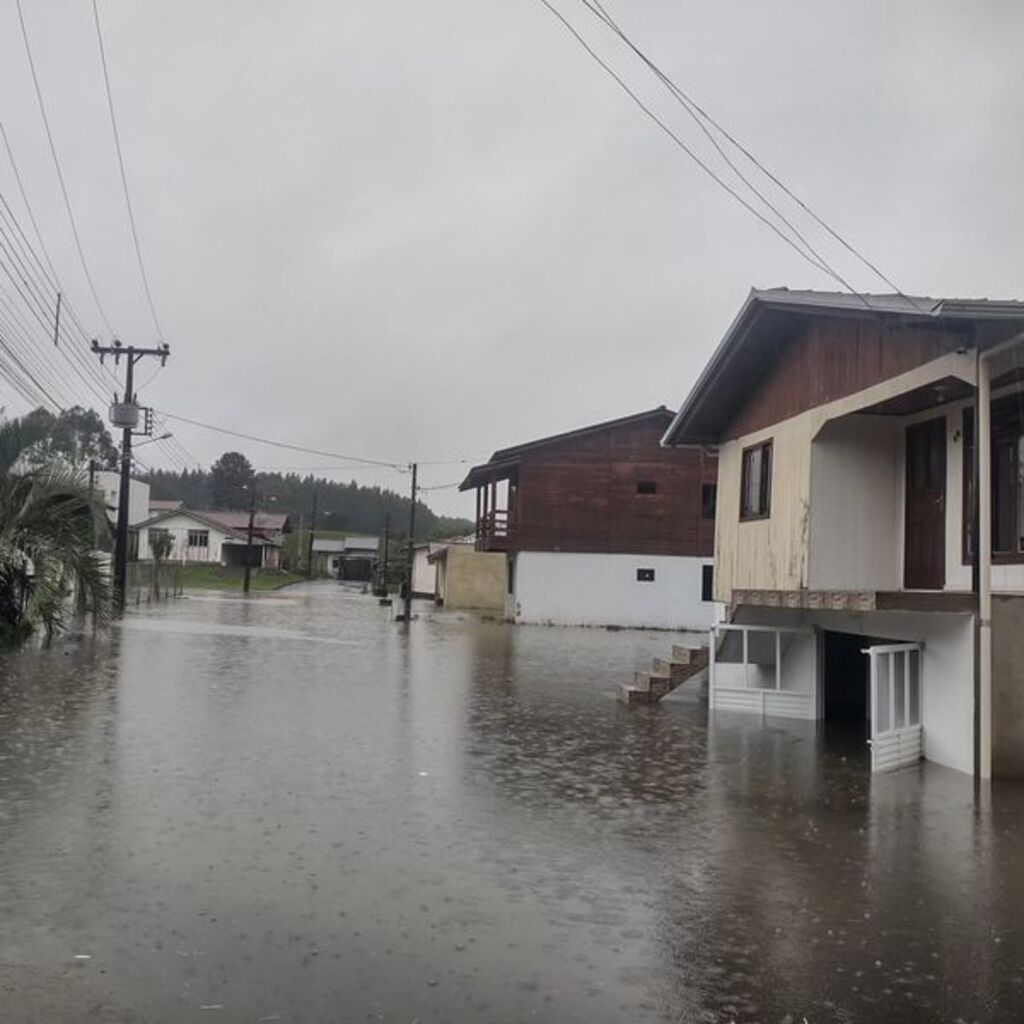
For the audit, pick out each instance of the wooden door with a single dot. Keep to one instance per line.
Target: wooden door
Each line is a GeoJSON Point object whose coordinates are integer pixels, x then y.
{"type": "Point", "coordinates": [924, 541]}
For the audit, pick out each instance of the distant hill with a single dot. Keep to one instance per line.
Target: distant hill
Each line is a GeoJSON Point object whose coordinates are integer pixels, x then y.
{"type": "Point", "coordinates": [345, 508]}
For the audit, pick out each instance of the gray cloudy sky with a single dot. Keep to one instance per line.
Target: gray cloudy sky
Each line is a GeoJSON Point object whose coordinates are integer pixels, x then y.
{"type": "Point", "coordinates": [427, 230]}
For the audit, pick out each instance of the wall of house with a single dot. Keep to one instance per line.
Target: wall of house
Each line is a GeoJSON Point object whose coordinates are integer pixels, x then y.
{"type": "Point", "coordinates": [107, 485]}
{"type": "Point", "coordinates": [573, 589]}
{"type": "Point", "coordinates": [774, 553]}
{"type": "Point", "coordinates": [424, 573]}
{"type": "Point", "coordinates": [178, 526]}
{"type": "Point", "coordinates": [581, 494]}
{"type": "Point", "coordinates": [856, 505]}
{"type": "Point", "coordinates": [472, 580]}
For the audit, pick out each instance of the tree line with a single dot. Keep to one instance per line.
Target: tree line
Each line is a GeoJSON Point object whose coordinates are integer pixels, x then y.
{"type": "Point", "coordinates": [340, 507]}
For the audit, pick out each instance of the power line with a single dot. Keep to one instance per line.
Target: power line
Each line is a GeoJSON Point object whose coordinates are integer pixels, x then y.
{"type": "Point", "coordinates": [24, 199]}
{"type": "Point", "coordinates": [402, 467]}
{"type": "Point", "coordinates": [124, 175]}
{"type": "Point", "coordinates": [599, 12]}
{"type": "Point", "coordinates": [56, 164]}
{"type": "Point", "coordinates": [704, 166]}
{"type": "Point", "coordinates": [694, 109]}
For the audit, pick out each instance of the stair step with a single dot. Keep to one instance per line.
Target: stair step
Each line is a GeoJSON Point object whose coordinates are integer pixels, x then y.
{"type": "Point", "coordinates": [684, 655]}
{"type": "Point", "coordinates": [630, 695]}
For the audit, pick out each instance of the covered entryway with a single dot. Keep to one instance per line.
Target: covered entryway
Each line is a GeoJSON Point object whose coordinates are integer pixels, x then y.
{"type": "Point", "coordinates": [924, 566]}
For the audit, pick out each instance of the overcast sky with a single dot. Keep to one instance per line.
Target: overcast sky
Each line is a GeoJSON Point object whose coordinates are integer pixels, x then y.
{"type": "Point", "coordinates": [428, 230]}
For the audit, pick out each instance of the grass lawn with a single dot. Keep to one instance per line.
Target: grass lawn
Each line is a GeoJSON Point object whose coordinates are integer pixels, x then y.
{"type": "Point", "coordinates": [217, 577]}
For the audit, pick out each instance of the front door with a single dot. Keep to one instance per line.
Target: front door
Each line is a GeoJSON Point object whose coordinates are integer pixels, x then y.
{"type": "Point", "coordinates": [925, 529]}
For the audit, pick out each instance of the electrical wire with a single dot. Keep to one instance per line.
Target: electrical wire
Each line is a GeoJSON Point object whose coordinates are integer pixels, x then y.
{"type": "Point", "coordinates": [24, 199]}
{"type": "Point", "coordinates": [401, 467]}
{"type": "Point", "coordinates": [696, 111]}
{"type": "Point", "coordinates": [124, 174]}
{"type": "Point", "coordinates": [57, 167]}
{"type": "Point", "coordinates": [703, 165]}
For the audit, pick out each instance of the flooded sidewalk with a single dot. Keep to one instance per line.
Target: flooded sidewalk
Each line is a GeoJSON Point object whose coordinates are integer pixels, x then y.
{"type": "Point", "coordinates": [291, 808]}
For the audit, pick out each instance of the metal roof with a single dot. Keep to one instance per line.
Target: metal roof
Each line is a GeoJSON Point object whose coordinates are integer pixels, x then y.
{"type": "Point", "coordinates": [737, 364]}
{"type": "Point", "coordinates": [506, 459]}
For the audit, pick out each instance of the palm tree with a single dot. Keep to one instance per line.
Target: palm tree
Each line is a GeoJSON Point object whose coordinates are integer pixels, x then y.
{"type": "Point", "coordinates": [48, 529]}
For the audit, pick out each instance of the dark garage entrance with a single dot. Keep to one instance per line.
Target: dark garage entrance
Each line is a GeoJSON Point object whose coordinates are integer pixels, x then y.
{"type": "Point", "coordinates": [845, 685]}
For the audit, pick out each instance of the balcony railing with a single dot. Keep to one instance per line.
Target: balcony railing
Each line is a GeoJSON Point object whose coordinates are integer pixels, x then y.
{"type": "Point", "coordinates": [494, 531]}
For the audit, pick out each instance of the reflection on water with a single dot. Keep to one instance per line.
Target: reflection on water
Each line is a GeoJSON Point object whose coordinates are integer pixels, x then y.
{"type": "Point", "coordinates": [295, 810]}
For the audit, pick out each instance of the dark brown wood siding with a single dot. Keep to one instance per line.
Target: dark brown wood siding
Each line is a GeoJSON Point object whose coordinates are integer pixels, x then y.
{"type": "Point", "coordinates": [581, 495]}
{"type": "Point", "coordinates": [831, 358]}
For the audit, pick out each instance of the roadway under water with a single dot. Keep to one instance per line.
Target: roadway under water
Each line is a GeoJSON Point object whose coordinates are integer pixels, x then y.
{"type": "Point", "coordinates": [291, 809]}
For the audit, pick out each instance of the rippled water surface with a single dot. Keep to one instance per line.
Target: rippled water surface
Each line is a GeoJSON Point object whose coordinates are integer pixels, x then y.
{"type": "Point", "coordinates": [291, 809]}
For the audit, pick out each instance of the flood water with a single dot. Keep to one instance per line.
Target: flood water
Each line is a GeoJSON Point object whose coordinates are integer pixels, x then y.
{"type": "Point", "coordinates": [293, 809]}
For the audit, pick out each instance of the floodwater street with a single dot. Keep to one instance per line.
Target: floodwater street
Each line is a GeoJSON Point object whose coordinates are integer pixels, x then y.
{"type": "Point", "coordinates": [293, 809]}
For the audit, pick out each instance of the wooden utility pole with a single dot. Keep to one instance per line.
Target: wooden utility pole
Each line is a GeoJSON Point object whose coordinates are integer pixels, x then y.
{"type": "Point", "coordinates": [410, 554]}
{"type": "Point", "coordinates": [125, 415]}
{"type": "Point", "coordinates": [312, 533]}
{"type": "Point", "coordinates": [248, 538]}
{"type": "Point", "coordinates": [387, 544]}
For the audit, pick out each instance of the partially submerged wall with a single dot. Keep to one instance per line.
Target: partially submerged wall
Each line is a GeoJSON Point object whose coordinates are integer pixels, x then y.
{"type": "Point", "coordinates": [570, 589]}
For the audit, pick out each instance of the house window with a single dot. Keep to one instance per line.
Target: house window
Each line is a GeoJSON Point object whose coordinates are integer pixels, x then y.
{"type": "Point", "coordinates": [645, 575]}
{"type": "Point", "coordinates": [708, 500]}
{"type": "Point", "coordinates": [756, 482]}
{"type": "Point", "coordinates": [198, 538]}
{"type": "Point", "coordinates": [646, 487]}
{"type": "Point", "coordinates": [707, 583]}
{"type": "Point", "coordinates": [1007, 481]}
{"type": "Point", "coordinates": [156, 533]}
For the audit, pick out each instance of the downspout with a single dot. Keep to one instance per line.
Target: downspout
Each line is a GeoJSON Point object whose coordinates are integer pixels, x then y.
{"type": "Point", "coordinates": [983, 504]}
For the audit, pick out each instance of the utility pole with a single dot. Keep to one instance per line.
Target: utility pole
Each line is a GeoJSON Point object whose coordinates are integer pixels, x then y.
{"type": "Point", "coordinates": [248, 537]}
{"type": "Point", "coordinates": [126, 416]}
{"type": "Point", "coordinates": [312, 532]}
{"type": "Point", "coordinates": [410, 554]}
{"type": "Point", "coordinates": [387, 541]}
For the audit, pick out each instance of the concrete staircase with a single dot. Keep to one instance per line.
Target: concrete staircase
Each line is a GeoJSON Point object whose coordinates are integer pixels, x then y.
{"type": "Point", "coordinates": [666, 675]}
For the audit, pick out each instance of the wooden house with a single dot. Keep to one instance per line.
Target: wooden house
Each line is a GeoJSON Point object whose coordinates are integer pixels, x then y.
{"type": "Point", "coordinates": [601, 526]}
{"type": "Point", "coordinates": [847, 484]}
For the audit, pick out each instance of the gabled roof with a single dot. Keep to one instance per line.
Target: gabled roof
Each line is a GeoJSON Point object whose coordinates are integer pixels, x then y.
{"type": "Point", "coordinates": [238, 519]}
{"type": "Point", "coordinates": [163, 504]}
{"type": "Point", "coordinates": [506, 458]}
{"type": "Point", "coordinates": [768, 314]}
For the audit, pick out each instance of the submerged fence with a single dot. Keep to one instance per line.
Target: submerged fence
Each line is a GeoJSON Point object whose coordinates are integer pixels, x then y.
{"type": "Point", "coordinates": [148, 582]}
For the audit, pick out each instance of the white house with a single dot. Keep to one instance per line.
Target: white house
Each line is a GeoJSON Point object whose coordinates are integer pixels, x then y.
{"type": "Point", "coordinates": [215, 537]}
{"type": "Point", "coordinates": [845, 430]}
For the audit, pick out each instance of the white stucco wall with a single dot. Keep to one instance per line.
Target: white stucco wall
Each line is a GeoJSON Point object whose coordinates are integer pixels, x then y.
{"type": "Point", "coordinates": [107, 486]}
{"type": "Point", "coordinates": [856, 505]}
{"type": "Point", "coordinates": [424, 573]}
{"type": "Point", "coordinates": [571, 589]}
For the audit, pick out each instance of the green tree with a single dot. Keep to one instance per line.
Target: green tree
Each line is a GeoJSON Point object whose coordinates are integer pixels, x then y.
{"type": "Point", "coordinates": [75, 436]}
{"type": "Point", "coordinates": [230, 477]}
{"type": "Point", "coordinates": [48, 531]}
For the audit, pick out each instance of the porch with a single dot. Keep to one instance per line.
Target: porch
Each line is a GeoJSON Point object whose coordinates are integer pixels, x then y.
{"type": "Point", "coordinates": [496, 487]}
